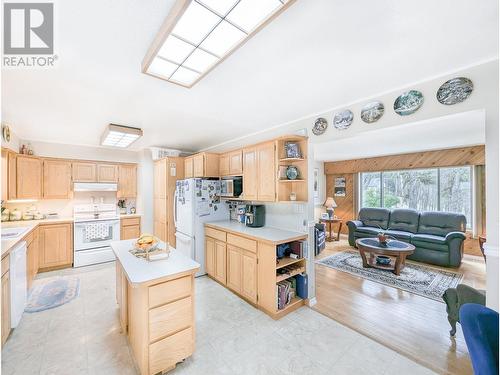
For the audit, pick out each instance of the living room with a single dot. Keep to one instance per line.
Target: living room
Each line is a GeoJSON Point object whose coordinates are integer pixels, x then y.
{"type": "Point", "coordinates": [420, 186]}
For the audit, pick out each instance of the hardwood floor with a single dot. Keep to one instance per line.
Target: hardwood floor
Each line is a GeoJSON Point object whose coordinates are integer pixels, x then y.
{"type": "Point", "coordinates": [414, 326]}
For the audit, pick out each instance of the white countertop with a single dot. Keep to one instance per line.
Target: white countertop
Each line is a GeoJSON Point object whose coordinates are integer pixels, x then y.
{"type": "Point", "coordinates": [269, 234]}
{"type": "Point", "coordinates": [140, 271]}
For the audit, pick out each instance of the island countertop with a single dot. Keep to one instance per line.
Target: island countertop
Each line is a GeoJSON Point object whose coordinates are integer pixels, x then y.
{"type": "Point", "coordinates": [264, 234]}
{"type": "Point", "coordinates": [141, 272]}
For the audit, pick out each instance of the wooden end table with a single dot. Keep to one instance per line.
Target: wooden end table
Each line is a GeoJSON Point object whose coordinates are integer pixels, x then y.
{"type": "Point", "coordinates": [396, 249]}
{"type": "Point", "coordinates": [329, 223]}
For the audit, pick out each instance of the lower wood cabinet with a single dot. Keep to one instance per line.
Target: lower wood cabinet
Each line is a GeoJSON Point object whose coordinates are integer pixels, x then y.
{"type": "Point", "coordinates": [122, 296]}
{"type": "Point", "coordinates": [242, 272]}
{"type": "Point", "coordinates": [234, 268]}
{"type": "Point", "coordinates": [220, 261]}
{"type": "Point", "coordinates": [5, 319]}
{"type": "Point", "coordinates": [56, 245]}
{"type": "Point", "coordinates": [32, 257]}
{"type": "Point", "coordinates": [210, 256]}
{"type": "Point", "coordinates": [130, 228]}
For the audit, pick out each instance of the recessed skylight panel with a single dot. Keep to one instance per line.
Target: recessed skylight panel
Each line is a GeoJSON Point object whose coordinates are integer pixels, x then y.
{"type": "Point", "coordinates": [175, 50]}
{"type": "Point", "coordinates": [162, 68]}
{"type": "Point", "coordinates": [196, 23]}
{"type": "Point", "coordinates": [185, 76]}
{"type": "Point", "coordinates": [222, 7]}
{"type": "Point", "coordinates": [249, 14]}
{"type": "Point", "coordinates": [224, 37]}
{"type": "Point", "coordinates": [200, 60]}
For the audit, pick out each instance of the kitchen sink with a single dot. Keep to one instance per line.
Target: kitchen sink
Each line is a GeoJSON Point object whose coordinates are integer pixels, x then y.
{"type": "Point", "coordinates": [13, 233]}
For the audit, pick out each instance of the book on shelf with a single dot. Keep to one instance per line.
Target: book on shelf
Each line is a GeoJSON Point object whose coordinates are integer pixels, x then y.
{"type": "Point", "coordinates": [285, 291]}
{"type": "Point", "coordinates": [299, 248]}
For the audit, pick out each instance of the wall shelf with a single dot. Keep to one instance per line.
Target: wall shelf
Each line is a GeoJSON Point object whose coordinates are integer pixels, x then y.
{"type": "Point", "coordinates": [290, 160]}
{"type": "Point", "coordinates": [283, 262]}
{"type": "Point", "coordinates": [291, 274]}
{"type": "Point", "coordinates": [290, 181]}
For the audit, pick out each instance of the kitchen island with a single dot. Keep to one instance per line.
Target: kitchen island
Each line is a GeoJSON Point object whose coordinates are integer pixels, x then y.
{"type": "Point", "coordinates": [156, 307]}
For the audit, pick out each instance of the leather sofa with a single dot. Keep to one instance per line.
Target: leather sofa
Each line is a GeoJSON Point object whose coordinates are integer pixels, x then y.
{"type": "Point", "coordinates": [438, 237]}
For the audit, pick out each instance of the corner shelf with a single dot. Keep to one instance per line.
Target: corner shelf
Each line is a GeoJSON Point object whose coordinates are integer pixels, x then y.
{"type": "Point", "coordinates": [291, 160]}
{"type": "Point", "coordinates": [285, 187]}
{"type": "Point", "coordinates": [283, 262]}
{"type": "Point", "coordinates": [290, 181]}
{"type": "Point", "coordinates": [291, 274]}
{"type": "Point", "coordinates": [294, 304]}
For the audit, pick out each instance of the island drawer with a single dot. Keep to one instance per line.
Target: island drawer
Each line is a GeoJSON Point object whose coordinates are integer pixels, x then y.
{"type": "Point", "coordinates": [169, 291]}
{"type": "Point", "coordinates": [241, 242]}
{"type": "Point", "coordinates": [171, 350]}
{"type": "Point", "coordinates": [215, 233]}
{"type": "Point", "coordinates": [170, 318]}
{"type": "Point", "coordinates": [5, 264]}
{"type": "Point", "coordinates": [128, 221]}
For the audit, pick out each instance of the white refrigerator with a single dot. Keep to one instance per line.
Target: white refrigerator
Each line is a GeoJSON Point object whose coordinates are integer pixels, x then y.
{"type": "Point", "coordinates": [196, 202]}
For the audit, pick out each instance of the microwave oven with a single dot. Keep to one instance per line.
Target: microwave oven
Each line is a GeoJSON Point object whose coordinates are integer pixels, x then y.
{"type": "Point", "coordinates": [231, 187]}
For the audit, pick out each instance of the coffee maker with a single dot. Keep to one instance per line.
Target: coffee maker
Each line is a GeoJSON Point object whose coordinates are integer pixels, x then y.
{"type": "Point", "coordinates": [255, 215]}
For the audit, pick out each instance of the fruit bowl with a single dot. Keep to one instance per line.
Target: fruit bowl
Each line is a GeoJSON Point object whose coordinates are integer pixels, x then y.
{"type": "Point", "coordinates": [147, 247]}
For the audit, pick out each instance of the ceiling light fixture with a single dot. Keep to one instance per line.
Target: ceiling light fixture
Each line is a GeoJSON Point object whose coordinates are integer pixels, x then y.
{"type": "Point", "coordinates": [120, 136]}
{"type": "Point", "coordinates": [197, 35]}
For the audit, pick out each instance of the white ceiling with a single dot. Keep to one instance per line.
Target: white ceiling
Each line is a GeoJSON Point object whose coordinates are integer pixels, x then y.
{"type": "Point", "coordinates": [453, 131]}
{"type": "Point", "coordinates": [316, 55]}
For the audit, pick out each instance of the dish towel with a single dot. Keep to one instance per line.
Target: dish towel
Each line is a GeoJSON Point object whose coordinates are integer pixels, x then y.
{"type": "Point", "coordinates": [96, 231]}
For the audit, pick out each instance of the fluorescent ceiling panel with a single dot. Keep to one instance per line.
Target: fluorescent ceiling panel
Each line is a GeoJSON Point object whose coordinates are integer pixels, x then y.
{"type": "Point", "coordinates": [120, 136]}
{"type": "Point", "coordinates": [249, 14]}
{"type": "Point", "coordinates": [199, 34]}
{"type": "Point", "coordinates": [185, 76]}
{"type": "Point", "coordinates": [175, 49]}
{"type": "Point", "coordinates": [222, 7]}
{"type": "Point", "coordinates": [224, 37]}
{"type": "Point", "coordinates": [195, 23]}
{"type": "Point", "coordinates": [200, 60]}
{"type": "Point", "coordinates": [162, 68]}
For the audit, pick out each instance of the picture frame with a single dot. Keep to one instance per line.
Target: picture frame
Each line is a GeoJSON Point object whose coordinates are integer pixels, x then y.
{"type": "Point", "coordinates": [339, 188]}
{"type": "Point", "coordinates": [316, 183]}
{"type": "Point", "coordinates": [292, 150]}
{"type": "Point", "coordinates": [325, 216]}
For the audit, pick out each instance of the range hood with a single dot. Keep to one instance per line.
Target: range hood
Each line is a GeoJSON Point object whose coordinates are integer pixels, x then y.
{"type": "Point", "coordinates": [94, 186]}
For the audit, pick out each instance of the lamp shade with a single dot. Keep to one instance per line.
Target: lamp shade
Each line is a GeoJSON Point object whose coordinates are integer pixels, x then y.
{"type": "Point", "coordinates": [330, 203]}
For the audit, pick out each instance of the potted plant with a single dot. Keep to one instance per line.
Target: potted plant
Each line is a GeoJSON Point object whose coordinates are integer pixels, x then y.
{"type": "Point", "coordinates": [122, 206]}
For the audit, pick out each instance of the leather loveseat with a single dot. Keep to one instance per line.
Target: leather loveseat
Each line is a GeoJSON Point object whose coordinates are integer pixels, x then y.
{"type": "Point", "coordinates": [438, 237]}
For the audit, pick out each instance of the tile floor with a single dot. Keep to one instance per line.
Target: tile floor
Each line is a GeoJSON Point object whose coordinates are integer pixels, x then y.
{"type": "Point", "coordinates": [83, 337]}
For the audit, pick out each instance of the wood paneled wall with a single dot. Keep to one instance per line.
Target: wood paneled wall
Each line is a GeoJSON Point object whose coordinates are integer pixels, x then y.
{"type": "Point", "coordinates": [441, 158]}
{"type": "Point", "coordinates": [346, 206]}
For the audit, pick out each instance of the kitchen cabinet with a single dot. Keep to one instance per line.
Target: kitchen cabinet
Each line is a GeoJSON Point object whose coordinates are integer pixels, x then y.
{"type": "Point", "coordinates": [188, 167]}
{"type": "Point", "coordinates": [236, 163]}
{"type": "Point", "coordinates": [224, 165]}
{"type": "Point", "coordinates": [210, 256]}
{"type": "Point", "coordinates": [167, 172]}
{"type": "Point", "coordinates": [220, 261]}
{"type": "Point", "coordinates": [107, 173]}
{"type": "Point", "coordinates": [12, 175]}
{"type": "Point", "coordinates": [234, 268]}
{"type": "Point", "coordinates": [55, 245]}
{"type": "Point", "coordinates": [5, 168]}
{"type": "Point", "coordinates": [121, 297]}
{"type": "Point", "coordinates": [199, 165]}
{"type": "Point", "coordinates": [130, 228]}
{"type": "Point", "coordinates": [28, 177]}
{"type": "Point", "coordinates": [57, 179]}
{"type": "Point", "coordinates": [127, 181]}
{"type": "Point", "coordinates": [32, 257]}
{"type": "Point", "coordinates": [5, 306]}
{"type": "Point", "coordinates": [84, 171]}
{"type": "Point", "coordinates": [250, 173]}
{"type": "Point", "coordinates": [266, 166]}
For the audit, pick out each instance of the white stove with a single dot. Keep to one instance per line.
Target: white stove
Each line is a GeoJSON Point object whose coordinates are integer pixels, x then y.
{"type": "Point", "coordinates": [95, 227]}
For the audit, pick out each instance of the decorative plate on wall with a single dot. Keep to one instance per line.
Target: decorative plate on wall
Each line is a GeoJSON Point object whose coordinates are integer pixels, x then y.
{"type": "Point", "coordinates": [408, 102]}
{"type": "Point", "coordinates": [372, 112]}
{"type": "Point", "coordinates": [320, 126]}
{"type": "Point", "coordinates": [342, 120]}
{"type": "Point", "coordinates": [454, 91]}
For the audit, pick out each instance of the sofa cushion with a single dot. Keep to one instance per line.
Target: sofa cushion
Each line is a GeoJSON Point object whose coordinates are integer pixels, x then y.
{"type": "Point", "coordinates": [369, 230]}
{"type": "Point", "coordinates": [375, 217]}
{"type": "Point", "coordinates": [441, 223]}
{"type": "Point", "coordinates": [399, 234]}
{"type": "Point", "coordinates": [429, 238]}
{"type": "Point", "coordinates": [404, 220]}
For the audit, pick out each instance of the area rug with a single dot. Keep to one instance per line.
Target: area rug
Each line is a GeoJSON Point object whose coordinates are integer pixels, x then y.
{"type": "Point", "coordinates": [51, 292]}
{"type": "Point", "coordinates": [415, 278]}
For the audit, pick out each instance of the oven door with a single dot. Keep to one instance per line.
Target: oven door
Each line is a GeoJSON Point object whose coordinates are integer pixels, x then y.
{"type": "Point", "coordinates": [226, 188]}
{"type": "Point", "coordinates": [94, 234]}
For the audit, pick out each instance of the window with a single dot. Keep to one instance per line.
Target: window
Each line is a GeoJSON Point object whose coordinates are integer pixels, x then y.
{"type": "Point", "coordinates": [432, 189]}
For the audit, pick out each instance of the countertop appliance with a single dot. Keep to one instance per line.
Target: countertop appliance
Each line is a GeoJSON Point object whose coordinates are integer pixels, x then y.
{"type": "Point", "coordinates": [95, 227]}
{"type": "Point", "coordinates": [196, 202]}
{"type": "Point", "coordinates": [18, 283]}
{"type": "Point", "coordinates": [255, 215]}
{"type": "Point", "coordinates": [231, 187]}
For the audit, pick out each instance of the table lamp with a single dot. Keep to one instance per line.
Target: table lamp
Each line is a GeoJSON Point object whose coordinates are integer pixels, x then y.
{"type": "Point", "coordinates": [330, 205]}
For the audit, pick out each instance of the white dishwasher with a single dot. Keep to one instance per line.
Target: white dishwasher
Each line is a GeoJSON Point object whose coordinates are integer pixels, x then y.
{"type": "Point", "coordinates": [18, 286]}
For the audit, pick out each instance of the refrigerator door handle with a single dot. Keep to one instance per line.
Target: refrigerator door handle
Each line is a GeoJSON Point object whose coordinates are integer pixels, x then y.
{"type": "Point", "coordinates": [175, 208]}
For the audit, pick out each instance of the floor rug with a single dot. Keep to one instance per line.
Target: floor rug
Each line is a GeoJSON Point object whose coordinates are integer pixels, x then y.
{"type": "Point", "coordinates": [48, 293]}
{"type": "Point", "coordinates": [415, 278]}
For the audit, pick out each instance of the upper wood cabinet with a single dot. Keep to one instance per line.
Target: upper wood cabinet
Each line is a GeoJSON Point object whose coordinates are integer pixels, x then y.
{"type": "Point", "coordinates": [84, 171]}
{"type": "Point", "coordinates": [55, 245]}
{"type": "Point", "coordinates": [12, 175]}
{"type": "Point", "coordinates": [199, 165]}
{"type": "Point", "coordinates": [188, 167]}
{"type": "Point", "coordinates": [266, 166]}
{"type": "Point", "coordinates": [250, 173]}
{"type": "Point", "coordinates": [224, 164]}
{"type": "Point", "coordinates": [236, 163]}
{"type": "Point", "coordinates": [5, 168]}
{"type": "Point", "coordinates": [57, 179]}
{"type": "Point", "coordinates": [127, 181]}
{"type": "Point", "coordinates": [28, 177]}
{"type": "Point", "coordinates": [107, 173]}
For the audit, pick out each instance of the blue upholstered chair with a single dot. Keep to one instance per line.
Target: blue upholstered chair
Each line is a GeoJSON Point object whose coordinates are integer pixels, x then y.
{"type": "Point", "coordinates": [480, 327]}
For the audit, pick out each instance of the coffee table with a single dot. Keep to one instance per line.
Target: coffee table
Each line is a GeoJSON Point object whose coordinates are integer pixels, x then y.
{"type": "Point", "coordinates": [393, 248]}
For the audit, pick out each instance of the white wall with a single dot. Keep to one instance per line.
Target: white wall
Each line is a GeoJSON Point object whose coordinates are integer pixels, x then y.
{"type": "Point", "coordinates": [145, 190]}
